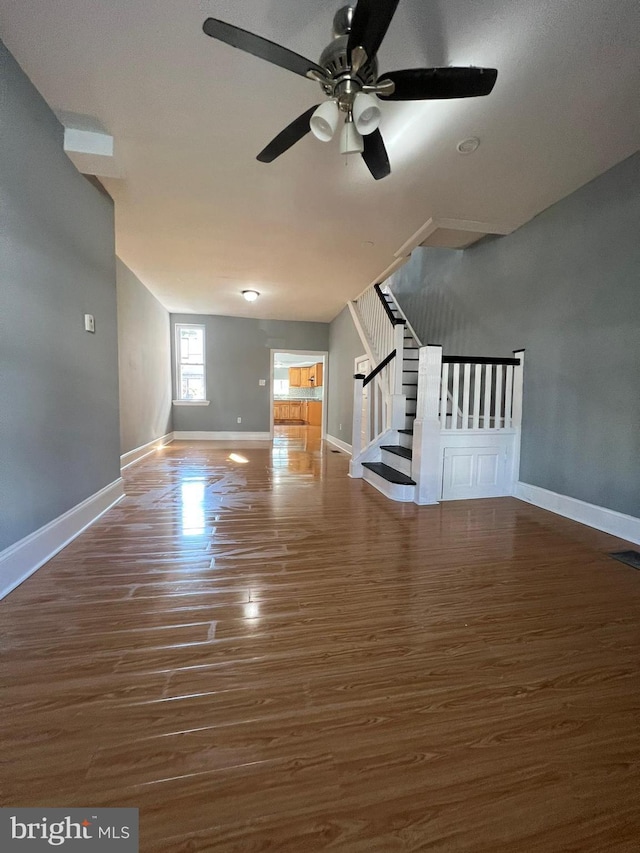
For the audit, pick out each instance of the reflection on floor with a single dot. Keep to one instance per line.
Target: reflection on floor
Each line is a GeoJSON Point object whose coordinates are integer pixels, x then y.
{"type": "Point", "coordinates": [298, 449]}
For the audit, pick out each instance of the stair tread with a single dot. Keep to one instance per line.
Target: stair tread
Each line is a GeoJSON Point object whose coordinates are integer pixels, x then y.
{"type": "Point", "coordinates": [389, 474]}
{"type": "Point", "coordinates": [405, 452]}
{"type": "Point", "coordinates": [406, 431]}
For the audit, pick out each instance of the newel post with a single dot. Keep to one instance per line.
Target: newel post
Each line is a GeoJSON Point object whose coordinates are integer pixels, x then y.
{"type": "Point", "coordinates": [516, 417]}
{"type": "Point", "coordinates": [355, 467]}
{"type": "Point", "coordinates": [398, 399]}
{"type": "Point", "coordinates": [426, 466]}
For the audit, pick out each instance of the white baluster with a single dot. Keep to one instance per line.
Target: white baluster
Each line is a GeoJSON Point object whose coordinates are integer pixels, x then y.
{"type": "Point", "coordinates": [444, 395]}
{"type": "Point", "coordinates": [455, 391]}
{"type": "Point", "coordinates": [498, 400]}
{"type": "Point", "coordinates": [486, 414]}
{"type": "Point", "coordinates": [477, 372]}
{"type": "Point", "coordinates": [466, 383]}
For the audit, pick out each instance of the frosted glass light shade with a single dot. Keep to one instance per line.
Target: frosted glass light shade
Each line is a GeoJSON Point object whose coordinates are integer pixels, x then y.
{"type": "Point", "coordinates": [324, 121]}
{"type": "Point", "coordinates": [366, 113]}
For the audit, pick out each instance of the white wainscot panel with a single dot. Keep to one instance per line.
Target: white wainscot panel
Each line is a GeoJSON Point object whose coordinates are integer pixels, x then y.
{"type": "Point", "coordinates": [476, 466]}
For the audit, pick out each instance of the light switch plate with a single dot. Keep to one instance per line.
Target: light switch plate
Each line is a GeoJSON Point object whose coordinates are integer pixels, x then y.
{"type": "Point", "coordinates": [262, 381]}
{"type": "Point", "coordinates": [89, 323]}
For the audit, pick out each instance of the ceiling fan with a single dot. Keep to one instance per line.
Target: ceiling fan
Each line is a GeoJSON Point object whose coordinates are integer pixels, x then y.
{"type": "Point", "coordinates": [348, 73]}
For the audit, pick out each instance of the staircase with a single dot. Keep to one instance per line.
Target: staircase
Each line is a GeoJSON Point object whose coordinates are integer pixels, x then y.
{"type": "Point", "coordinates": [429, 427]}
{"type": "Point", "coordinates": [392, 474]}
{"type": "Point", "coordinates": [388, 464]}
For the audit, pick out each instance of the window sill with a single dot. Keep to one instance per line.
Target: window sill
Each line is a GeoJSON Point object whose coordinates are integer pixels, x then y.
{"type": "Point", "coordinates": [190, 402]}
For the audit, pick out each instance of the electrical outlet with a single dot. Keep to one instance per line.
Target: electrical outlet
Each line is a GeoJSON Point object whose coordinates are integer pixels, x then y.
{"type": "Point", "coordinates": [239, 420]}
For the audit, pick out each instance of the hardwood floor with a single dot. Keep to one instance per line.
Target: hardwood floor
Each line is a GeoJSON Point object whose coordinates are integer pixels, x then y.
{"type": "Point", "coordinates": [272, 657]}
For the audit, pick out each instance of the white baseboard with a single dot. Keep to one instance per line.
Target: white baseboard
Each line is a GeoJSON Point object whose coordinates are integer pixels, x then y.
{"type": "Point", "coordinates": [203, 435]}
{"type": "Point", "coordinates": [139, 453]}
{"type": "Point", "coordinates": [608, 520]}
{"type": "Point", "coordinates": [23, 558]}
{"type": "Point", "coordinates": [341, 445]}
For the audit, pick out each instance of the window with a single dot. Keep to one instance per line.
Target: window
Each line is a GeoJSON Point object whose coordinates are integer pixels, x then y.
{"type": "Point", "coordinates": [190, 375]}
{"type": "Point", "coordinates": [281, 387]}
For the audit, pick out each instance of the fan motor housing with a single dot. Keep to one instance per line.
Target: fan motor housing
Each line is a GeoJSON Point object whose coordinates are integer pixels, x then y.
{"type": "Point", "coordinates": [334, 60]}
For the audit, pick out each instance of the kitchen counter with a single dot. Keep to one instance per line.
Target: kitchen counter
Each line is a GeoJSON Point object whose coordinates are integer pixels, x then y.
{"type": "Point", "coordinates": [297, 399]}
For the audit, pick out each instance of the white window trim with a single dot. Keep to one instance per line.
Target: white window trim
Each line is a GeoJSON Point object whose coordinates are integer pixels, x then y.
{"type": "Point", "coordinates": [177, 365]}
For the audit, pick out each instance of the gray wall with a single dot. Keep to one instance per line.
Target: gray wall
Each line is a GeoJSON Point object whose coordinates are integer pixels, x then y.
{"type": "Point", "coordinates": [144, 358]}
{"type": "Point", "coordinates": [566, 287]}
{"type": "Point", "coordinates": [344, 347]}
{"type": "Point", "coordinates": [238, 355]}
{"type": "Point", "coordinates": [59, 430]}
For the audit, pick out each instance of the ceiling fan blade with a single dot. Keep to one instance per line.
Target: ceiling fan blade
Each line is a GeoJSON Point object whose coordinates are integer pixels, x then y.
{"type": "Point", "coordinates": [370, 23]}
{"type": "Point", "coordinates": [424, 84]}
{"type": "Point", "coordinates": [286, 138]}
{"type": "Point", "coordinates": [375, 155]}
{"type": "Point", "coordinates": [260, 47]}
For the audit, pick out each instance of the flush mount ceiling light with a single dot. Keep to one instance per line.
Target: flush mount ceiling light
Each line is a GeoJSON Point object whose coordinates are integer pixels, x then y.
{"type": "Point", "coordinates": [250, 295]}
{"type": "Point", "coordinates": [468, 146]}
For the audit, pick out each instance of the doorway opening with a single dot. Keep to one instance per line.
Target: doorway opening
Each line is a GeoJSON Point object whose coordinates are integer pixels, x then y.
{"type": "Point", "coordinates": [298, 385]}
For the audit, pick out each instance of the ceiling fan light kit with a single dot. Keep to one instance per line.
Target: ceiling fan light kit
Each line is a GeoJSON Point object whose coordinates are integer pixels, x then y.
{"type": "Point", "coordinates": [351, 141]}
{"type": "Point", "coordinates": [366, 113]}
{"type": "Point", "coordinates": [348, 74]}
{"type": "Point", "coordinates": [324, 121]}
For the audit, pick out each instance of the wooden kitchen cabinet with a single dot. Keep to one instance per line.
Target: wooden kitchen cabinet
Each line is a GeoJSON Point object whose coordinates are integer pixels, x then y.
{"type": "Point", "coordinates": [295, 379]}
{"type": "Point", "coordinates": [280, 411]}
{"type": "Point", "coordinates": [315, 375]}
{"type": "Point", "coordinates": [289, 411]}
{"type": "Point", "coordinates": [306, 377]}
{"type": "Point", "coordinates": [314, 416]}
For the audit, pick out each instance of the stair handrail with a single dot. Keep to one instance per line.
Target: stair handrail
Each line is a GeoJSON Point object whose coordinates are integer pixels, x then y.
{"type": "Point", "coordinates": [395, 321]}
{"type": "Point", "coordinates": [376, 370]}
{"type": "Point", "coordinates": [378, 413]}
{"type": "Point", "coordinates": [480, 359]}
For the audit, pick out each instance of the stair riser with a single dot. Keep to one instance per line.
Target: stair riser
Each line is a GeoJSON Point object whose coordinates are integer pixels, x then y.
{"type": "Point", "coordinates": [408, 421]}
{"type": "Point", "coordinates": [404, 494]}
{"type": "Point", "coordinates": [405, 440]}
{"type": "Point", "coordinates": [409, 389]}
{"type": "Point", "coordinates": [396, 462]}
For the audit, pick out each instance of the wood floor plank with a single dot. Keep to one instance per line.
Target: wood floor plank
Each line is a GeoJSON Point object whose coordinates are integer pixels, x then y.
{"type": "Point", "coordinates": [272, 656]}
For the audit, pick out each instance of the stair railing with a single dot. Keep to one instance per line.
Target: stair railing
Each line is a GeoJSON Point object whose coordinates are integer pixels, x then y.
{"type": "Point", "coordinates": [381, 333]}
{"type": "Point", "coordinates": [460, 394]}
{"type": "Point", "coordinates": [481, 391]}
{"type": "Point", "coordinates": [372, 414]}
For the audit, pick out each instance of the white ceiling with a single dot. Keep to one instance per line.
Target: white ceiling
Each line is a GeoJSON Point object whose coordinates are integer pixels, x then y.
{"type": "Point", "coordinates": [198, 219]}
{"type": "Point", "coordinates": [289, 359]}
